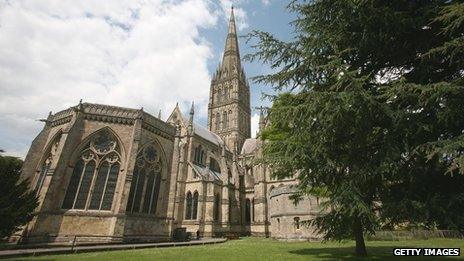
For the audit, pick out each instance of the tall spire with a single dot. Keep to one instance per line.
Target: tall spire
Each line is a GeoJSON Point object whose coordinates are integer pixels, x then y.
{"type": "Point", "coordinates": [229, 107]}
{"type": "Point", "coordinates": [231, 58]}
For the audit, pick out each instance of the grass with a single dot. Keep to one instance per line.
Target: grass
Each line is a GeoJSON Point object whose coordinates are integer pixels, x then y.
{"type": "Point", "coordinates": [262, 249]}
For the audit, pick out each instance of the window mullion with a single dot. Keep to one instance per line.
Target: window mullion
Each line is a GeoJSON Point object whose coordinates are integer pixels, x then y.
{"type": "Point", "coordinates": [135, 191]}
{"type": "Point", "coordinates": [152, 193]}
{"type": "Point", "coordinates": [106, 183]}
{"type": "Point", "coordinates": [80, 182]}
{"type": "Point", "coordinates": [92, 183]}
{"type": "Point", "coordinates": [144, 190]}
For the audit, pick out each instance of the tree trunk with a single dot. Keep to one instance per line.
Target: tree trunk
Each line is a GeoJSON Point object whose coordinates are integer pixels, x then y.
{"type": "Point", "coordinates": [359, 237]}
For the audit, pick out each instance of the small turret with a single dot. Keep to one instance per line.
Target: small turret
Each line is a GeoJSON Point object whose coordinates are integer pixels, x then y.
{"type": "Point", "coordinates": [192, 112]}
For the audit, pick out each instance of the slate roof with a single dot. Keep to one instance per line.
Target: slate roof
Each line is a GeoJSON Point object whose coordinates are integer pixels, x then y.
{"type": "Point", "coordinates": [205, 173]}
{"type": "Point", "coordinates": [249, 146]}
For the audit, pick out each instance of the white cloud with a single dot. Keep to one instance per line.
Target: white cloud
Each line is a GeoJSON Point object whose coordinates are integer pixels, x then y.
{"type": "Point", "coordinates": [130, 53]}
{"type": "Point", "coordinates": [266, 2]}
{"type": "Point", "coordinates": [240, 14]}
{"type": "Point", "coordinates": [254, 124]}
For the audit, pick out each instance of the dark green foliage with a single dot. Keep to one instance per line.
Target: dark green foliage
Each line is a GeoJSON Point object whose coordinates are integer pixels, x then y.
{"type": "Point", "coordinates": [374, 112]}
{"type": "Point", "coordinates": [17, 202]}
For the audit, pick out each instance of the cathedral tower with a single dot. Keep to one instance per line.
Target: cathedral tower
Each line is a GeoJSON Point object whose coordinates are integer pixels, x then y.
{"type": "Point", "coordinates": [229, 99]}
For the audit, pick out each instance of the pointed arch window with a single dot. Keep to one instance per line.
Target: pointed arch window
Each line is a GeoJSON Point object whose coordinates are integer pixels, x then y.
{"type": "Point", "coordinates": [230, 118]}
{"type": "Point", "coordinates": [224, 120]}
{"type": "Point", "coordinates": [195, 205]}
{"type": "Point", "coordinates": [95, 174]}
{"type": "Point", "coordinates": [247, 211]}
{"type": "Point", "coordinates": [214, 165]}
{"type": "Point", "coordinates": [43, 172]}
{"type": "Point", "coordinates": [219, 94]}
{"type": "Point", "coordinates": [188, 206]}
{"type": "Point", "coordinates": [199, 156]}
{"type": "Point", "coordinates": [218, 121]}
{"type": "Point", "coordinates": [146, 182]}
{"type": "Point", "coordinates": [45, 167]}
{"type": "Point", "coordinates": [217, 207]}
{"type": "Point", "coordinates": [253, 210]}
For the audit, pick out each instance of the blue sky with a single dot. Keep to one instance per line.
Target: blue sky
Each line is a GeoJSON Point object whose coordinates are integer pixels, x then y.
{"type": "Point", "coordinates": [137, 53]}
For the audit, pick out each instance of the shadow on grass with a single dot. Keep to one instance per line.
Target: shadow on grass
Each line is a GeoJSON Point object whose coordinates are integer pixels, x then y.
{"type": "Point", "coordinates": [347, 253]}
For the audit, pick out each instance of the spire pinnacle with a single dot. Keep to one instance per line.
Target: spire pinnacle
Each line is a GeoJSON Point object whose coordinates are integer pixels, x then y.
{"type": "Point", "coordinates": [192, 112]}
{"type": "Point", "coordinates": [231, 58]}
{"type": "Point", "coordinates": [190, 126]}
{"type": "Point", "coordinates": [192, 109]}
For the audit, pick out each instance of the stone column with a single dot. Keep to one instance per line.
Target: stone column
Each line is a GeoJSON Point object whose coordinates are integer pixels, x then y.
{"type": "Point", "coordinates": [209, 210]}
{"type": "Point", "coordinates": [173, 183]}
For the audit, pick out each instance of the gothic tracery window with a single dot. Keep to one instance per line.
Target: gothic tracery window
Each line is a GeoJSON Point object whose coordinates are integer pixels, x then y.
{"type": "Point", "coordinates": [146, 182]}
{"type": "Point", "coordinates": [95, 174]}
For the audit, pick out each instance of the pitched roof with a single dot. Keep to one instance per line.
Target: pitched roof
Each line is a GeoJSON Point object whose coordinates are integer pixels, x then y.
{"type": "Point", "coordinates": [249, 146]}
{"type": "Point", "coordinates": [197, 128]}
{"type": "Point", "coordinates": [206, 173]}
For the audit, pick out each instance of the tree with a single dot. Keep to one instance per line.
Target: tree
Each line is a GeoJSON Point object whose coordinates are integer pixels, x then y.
{"type": "Point", "coordinates": [17, 202]}
{"type": "Point", "coordinates": [368, 91]}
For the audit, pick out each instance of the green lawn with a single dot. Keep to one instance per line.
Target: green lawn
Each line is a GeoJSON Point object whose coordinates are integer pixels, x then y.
{"type": "Point", "coordinates": [261, 249]}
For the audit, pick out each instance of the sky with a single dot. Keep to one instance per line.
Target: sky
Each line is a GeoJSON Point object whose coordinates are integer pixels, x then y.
{"type": "Point", "coordinates": [130, 53]}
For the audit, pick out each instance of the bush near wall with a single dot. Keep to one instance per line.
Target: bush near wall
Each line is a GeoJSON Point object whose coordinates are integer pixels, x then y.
{"type": "Point", "coordinates": [396, 235]}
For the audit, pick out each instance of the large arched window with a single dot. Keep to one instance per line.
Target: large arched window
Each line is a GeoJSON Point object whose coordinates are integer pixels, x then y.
{"type": "Point", "coordinates": [217, 207]}
{"type": "Point", "coordinates": [218, 121]}
{"type": "Point", "coordinates": [146, 181]}
{"type": "Point", "coordinates": [224, 120]}
{"type": "Point", "coordinates": [195, 205]}
{"type": "Point", "coordinates": [247, 211]}
{"type": "Point", "coordinates": [95, 174]}
{"type": "Point", "coordinates": [188, 206]}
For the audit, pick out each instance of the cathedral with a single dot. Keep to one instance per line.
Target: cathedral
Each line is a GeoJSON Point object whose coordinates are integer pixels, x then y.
{"type": "Point", "coordinates": [113, 174]}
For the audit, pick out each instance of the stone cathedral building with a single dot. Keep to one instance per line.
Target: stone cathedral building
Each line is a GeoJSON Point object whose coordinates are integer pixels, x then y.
{"type": "Point", "coordinates": [113, 174]}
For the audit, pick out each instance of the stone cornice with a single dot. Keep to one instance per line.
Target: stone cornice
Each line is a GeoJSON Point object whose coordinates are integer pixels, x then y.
{"type": "Point", "coordinates": [116, 115]}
